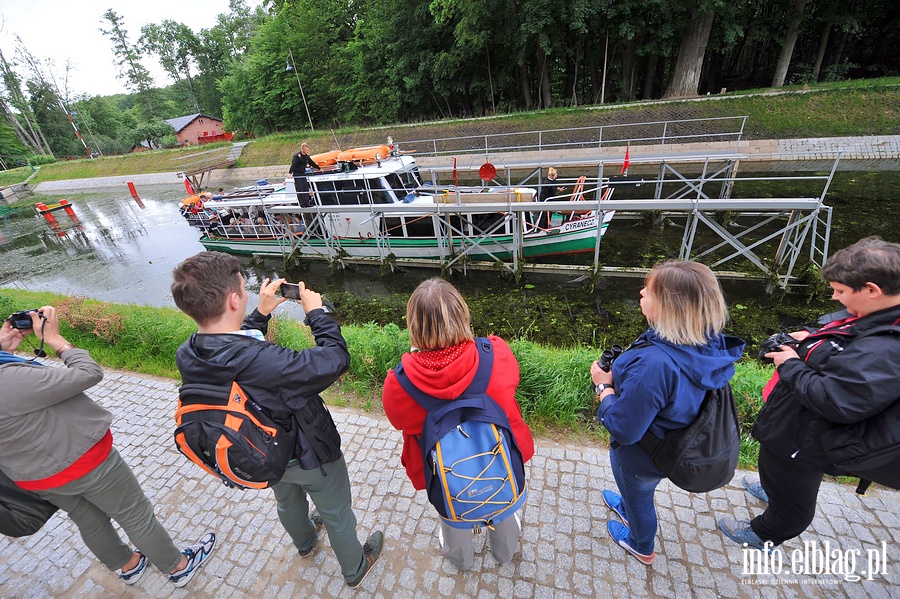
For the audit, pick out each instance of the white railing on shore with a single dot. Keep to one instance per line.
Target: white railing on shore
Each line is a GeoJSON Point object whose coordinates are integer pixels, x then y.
{"type": "Point", "coordinates": [662, 133]}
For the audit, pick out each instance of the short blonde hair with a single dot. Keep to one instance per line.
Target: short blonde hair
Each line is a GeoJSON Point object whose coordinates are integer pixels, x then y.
{"type": "Point", "coordinates": [690, 306]}
{"type": "Point", "coordinates": [437, 316]}
{"type": "Point", "coordinates": [551, 172]}
{"type": "Point", "coordinates": [304, 145]}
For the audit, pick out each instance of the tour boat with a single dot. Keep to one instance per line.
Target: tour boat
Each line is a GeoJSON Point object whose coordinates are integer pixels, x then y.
{"type": "Point", "coordinates": [372, 203]}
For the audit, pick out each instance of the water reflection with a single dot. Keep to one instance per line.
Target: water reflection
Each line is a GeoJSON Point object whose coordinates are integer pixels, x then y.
{"type": "Point", "coordinates": [124, 254]}
{"type": "Point", "coordinates": [118, 253]}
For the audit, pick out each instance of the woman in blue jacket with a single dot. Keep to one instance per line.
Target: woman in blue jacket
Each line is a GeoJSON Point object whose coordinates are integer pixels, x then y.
{"type": "Point", "coordinates": [657, 385]}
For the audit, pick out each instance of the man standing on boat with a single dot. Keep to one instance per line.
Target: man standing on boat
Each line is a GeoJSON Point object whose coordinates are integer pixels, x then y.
{"type": "Point", "coordinates": [549, 189]}
{"type": "Point", "coordinates": [299, 164]}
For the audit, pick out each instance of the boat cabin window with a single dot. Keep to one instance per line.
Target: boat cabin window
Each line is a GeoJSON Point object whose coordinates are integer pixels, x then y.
{"type": "Point", "coordinates": [394, 182]}
{"type": "Point", "coordinates": [351, 192]}
{"type": "Point", "coordinates": [411, 179]}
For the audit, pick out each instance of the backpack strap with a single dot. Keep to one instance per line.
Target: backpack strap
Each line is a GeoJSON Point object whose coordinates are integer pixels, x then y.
{"type": "Point", "coordinates": [478, 385]}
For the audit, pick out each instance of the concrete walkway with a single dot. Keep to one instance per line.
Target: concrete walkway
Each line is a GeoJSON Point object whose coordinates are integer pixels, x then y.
{"type": "Point", "coordinates": [863, 153]}
{"type": "Point", "coordinates": [566, 551]}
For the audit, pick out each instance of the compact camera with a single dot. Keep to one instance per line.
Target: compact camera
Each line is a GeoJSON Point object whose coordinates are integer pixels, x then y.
{"type": "Point", "coordinates": [22, 319]}
{"type": "Point", "coordinates": [773, 343]}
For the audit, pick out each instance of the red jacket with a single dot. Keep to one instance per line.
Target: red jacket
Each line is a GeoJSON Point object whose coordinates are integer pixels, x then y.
{"type": "Point", "coordinates": [448, 383]}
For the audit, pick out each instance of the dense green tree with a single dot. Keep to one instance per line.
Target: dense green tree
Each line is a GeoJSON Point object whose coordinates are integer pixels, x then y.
{"type": "Point", "coordinates": [260, 94]}
{"type": "Point", "coordinates": [392, 55]}
{"type": "Point", "coordinates": [222, 46]}
{"type": "Point", "coordinates": [11, 148]}
{"type": "Point", "coordinates": [175, 45]}
{"type": "Point", "coordinates": [384, 61]}
{"type": "Point", "coordinates": [128, 58]}
{"type": "Point", "coordinates": [17, 111]}
{"type": "Point", "coordinates": [151, 132]}
{"type": "Point", "coordinates": [45, 104]}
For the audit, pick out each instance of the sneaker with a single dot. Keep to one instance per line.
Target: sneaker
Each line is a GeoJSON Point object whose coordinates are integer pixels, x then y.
{"type": "Point", "coordinates": [371, 552]}
{"type": "Point", "coordinates": [317, 520]}
{"type": "Point", "coordinates": [614, 502]}
{"type": "Point", "coordinates": [619, 533]}
{"type": "Point", "coordinates": [740, 532]}
{"type": "Point", "coordinates": [133, 575]}
{"type": "Point", "coordinates": [754, 487]}
{"type": "Point", "coordinates": [196, 556]}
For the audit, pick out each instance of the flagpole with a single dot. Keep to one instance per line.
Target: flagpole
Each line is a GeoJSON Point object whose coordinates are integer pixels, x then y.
{"type": "Point", "coordinates": [302, 95]}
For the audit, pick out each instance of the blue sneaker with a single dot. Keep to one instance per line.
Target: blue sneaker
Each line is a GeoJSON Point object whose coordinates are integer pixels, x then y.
{"type": "Point", "coordinates": [619, 533]}
{"type": "Point", "coordinates": [741, 533]}
{"type": "Point", "coordinates": [196, 556]}
{"type": "Point", "coordinates": [754, 487]}
{"type": "Point", "coordinates": [133, 575]}
{"type": "Point", "coordinates": [614, 502]}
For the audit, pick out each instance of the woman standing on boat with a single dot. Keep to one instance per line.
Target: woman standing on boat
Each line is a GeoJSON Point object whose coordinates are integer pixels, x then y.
{"type": "Point", "coordinates": [299, 164]}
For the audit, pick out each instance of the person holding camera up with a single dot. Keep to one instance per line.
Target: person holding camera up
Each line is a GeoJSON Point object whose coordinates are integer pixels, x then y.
{"type": "Point", "coordinates": [832, 403]}
{"type": "Point", "coordinates": [56, 442]}
{"type": "Point", "coordinates": [658, 385]}
{"type": "Point", "coordinates": [228, 346]}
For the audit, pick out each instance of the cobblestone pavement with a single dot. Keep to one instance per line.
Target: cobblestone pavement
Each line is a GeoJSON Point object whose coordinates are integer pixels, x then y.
{"type": "Point", "coordinates": [565, 553]}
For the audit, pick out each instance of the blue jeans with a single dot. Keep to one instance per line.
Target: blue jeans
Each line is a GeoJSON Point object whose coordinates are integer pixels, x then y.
{"type": "Point", "coordinates": [637, 479]}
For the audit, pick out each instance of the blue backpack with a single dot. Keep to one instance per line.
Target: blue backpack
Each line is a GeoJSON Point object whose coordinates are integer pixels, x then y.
{"type": "Point", "coordinates": [474, 473]}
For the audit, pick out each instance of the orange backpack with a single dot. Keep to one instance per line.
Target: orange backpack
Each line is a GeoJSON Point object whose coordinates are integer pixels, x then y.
{"type": "Point", "coordinates": [227, 434]}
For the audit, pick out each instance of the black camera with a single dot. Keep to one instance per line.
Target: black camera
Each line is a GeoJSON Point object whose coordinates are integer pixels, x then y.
{"type": "Point", "coordinates": [609, 356]}
{"type": "Point", "coordinates": [22, 319]}
{"type": "Point", "coordinates": [773, 343]}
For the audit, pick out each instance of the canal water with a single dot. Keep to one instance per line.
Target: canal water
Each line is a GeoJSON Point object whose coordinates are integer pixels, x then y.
{"type": "Point", "coordinates": [123, 253]}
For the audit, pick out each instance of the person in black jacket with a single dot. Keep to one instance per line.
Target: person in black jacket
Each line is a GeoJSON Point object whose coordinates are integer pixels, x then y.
{"type": "Point", "coordinates": [300, 162]}
{"type": "Point", "coordinates": [549, 189]}
{"type": "Point", "coordinates": [838, 375]}
{"type": "Point", "coordinates": [209, 287]}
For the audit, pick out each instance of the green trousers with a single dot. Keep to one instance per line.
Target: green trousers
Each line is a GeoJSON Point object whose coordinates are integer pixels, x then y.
{"type": "Point", "coordinates": [110, 491]}
{"type": "Point", "coordinates": [330, 491]}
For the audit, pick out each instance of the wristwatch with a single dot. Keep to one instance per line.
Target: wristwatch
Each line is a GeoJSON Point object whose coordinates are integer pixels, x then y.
{"type": "Point", "coordinates": [598, 389]}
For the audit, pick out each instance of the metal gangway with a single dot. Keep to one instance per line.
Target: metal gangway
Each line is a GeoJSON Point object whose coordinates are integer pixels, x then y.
{"type": "Point", "coordinates": [767, 236]}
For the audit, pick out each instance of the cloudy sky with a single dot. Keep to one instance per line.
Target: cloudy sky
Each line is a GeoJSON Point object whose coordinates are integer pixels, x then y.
{"type": "Point", "coordinates": [64, 30]}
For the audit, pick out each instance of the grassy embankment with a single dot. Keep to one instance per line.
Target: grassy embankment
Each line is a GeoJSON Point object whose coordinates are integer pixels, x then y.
{"type": "Point", "coordinates": [553, 392]}
{"type": "Point", "coordinates": [864, 107]}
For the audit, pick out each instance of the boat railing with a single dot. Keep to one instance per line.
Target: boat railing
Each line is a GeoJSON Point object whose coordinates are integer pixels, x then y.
{"type": "Point", "coordinates": [729, 130]}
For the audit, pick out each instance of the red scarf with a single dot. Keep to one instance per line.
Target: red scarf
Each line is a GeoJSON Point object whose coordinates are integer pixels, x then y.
{"type": "Point", "coordinates": [440, 358]}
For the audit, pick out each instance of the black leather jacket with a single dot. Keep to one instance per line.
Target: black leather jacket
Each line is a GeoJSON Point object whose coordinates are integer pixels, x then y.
{"type": "Point", "coordinates": [281, 380]}
{"type": "Point", "coordinates": [843, 377]}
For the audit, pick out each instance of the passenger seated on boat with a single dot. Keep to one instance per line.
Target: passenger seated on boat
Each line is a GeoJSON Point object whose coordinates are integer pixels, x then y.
{"type": "Point", "coordinates": [262, 228]}
{"type": "Point", "coordinates": [232, 227]}
{"type": "Point", "coordinates": [296, 225]}
{"type": "Point", "coordinates": [215, 224]}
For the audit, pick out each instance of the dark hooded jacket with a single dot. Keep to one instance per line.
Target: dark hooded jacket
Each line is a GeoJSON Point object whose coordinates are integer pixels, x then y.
{"type": "Point", "coordinates": [844, 377]}
{"type": "Point", "coordinates": [660, 387]}
{"type": "Point", "coordinates": [279, 379]}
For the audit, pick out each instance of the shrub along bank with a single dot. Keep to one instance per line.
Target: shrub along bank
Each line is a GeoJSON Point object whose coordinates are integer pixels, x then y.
{"type": "Point", "coordinates": [554, 391]}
